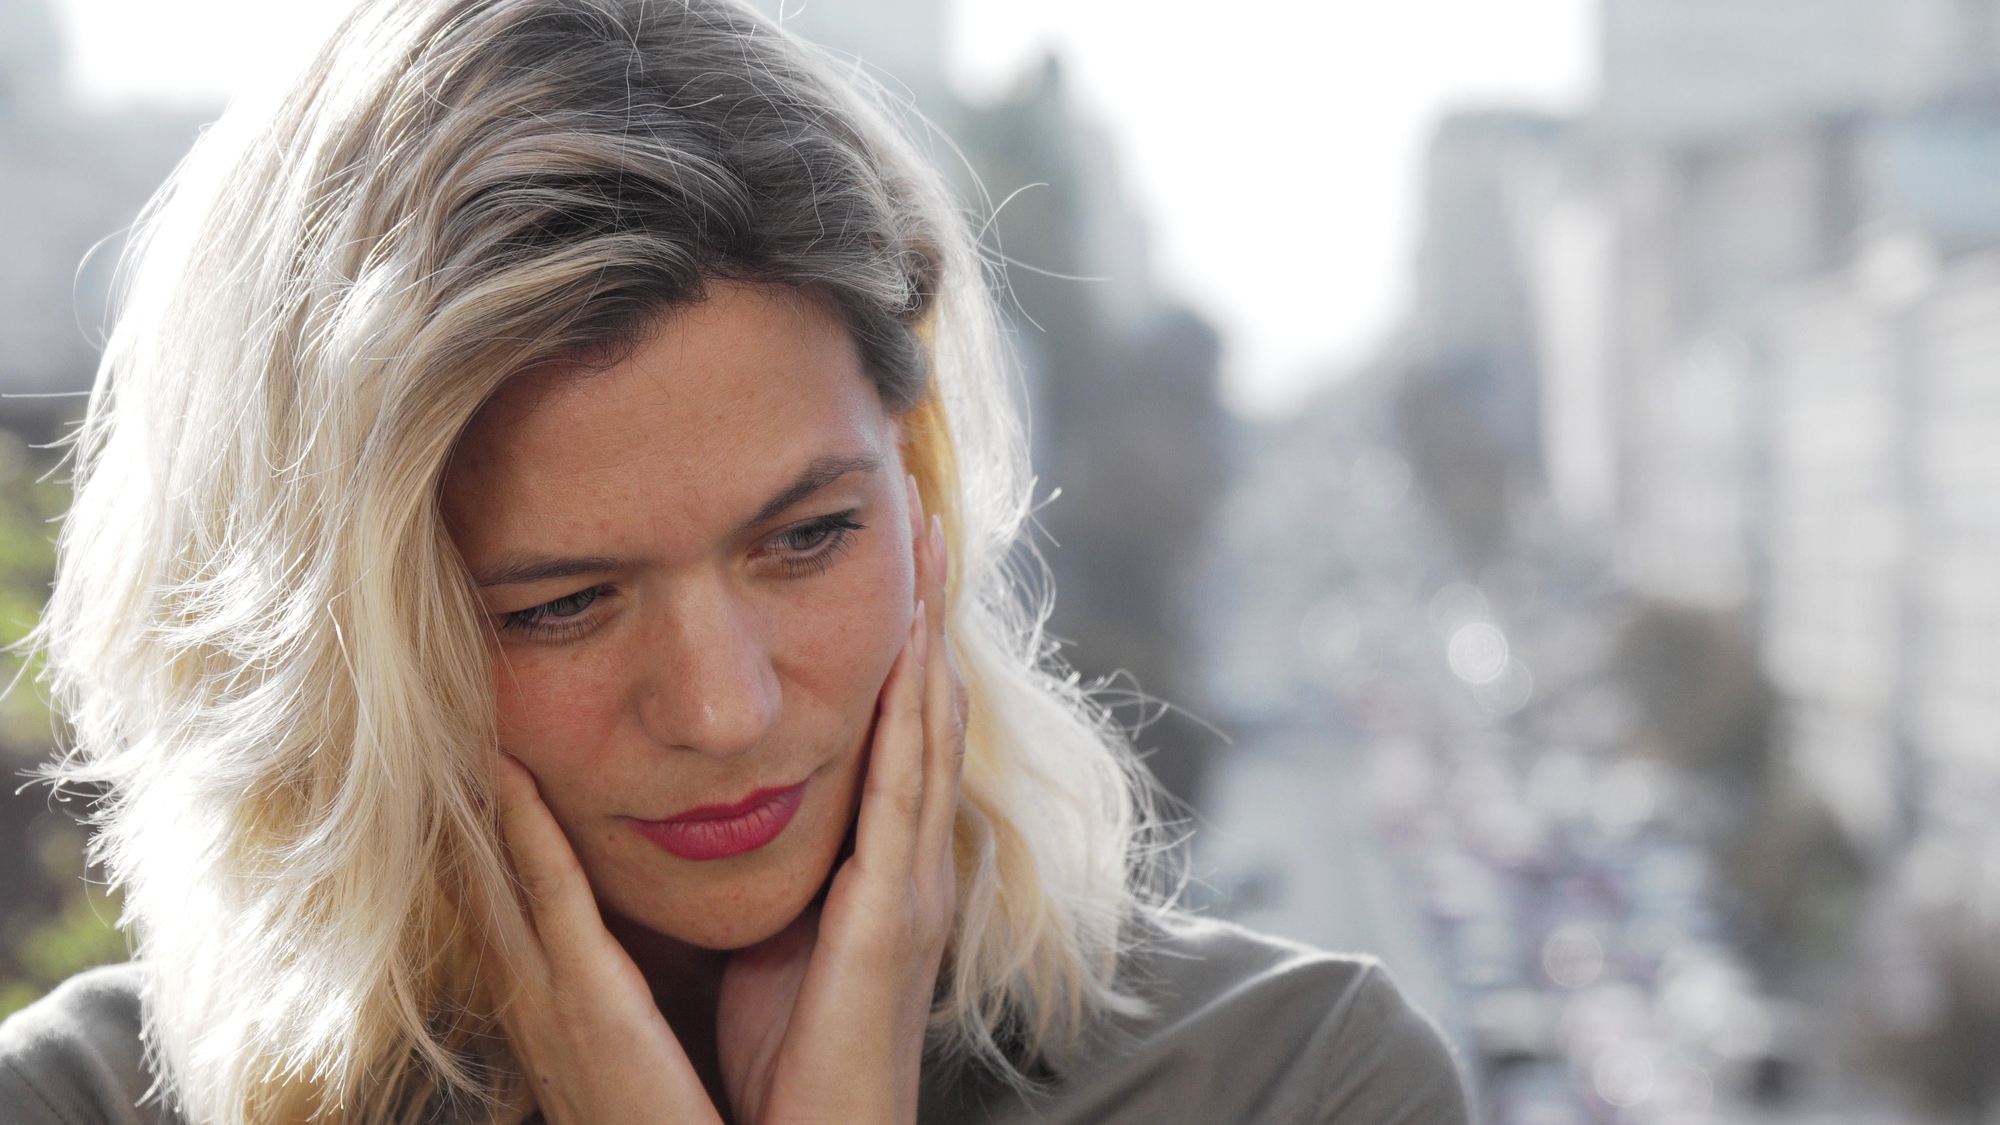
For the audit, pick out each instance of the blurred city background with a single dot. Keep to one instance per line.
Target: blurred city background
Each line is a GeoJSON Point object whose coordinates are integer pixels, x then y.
{"type": "Point", "coordinates": [1608, 638]}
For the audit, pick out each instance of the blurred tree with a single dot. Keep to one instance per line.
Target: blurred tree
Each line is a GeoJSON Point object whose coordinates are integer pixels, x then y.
{"type": "Point", "coordinates": [1125, 412]}
{"type": "Point", "coordinates": [1949, 1061]}
{"type": "Point", "coordinates": [1696, 677]}
{"type": "Point", "coordinates": [53, 921]}
{"type": "Point", "coordinates": [1467, 475]}
{"type": "Point", "coordinates": [47, 946]}
{"type": "Point", "coordinates": [1469, 405]}
{"type": "Point", "coordinates": [69, 178]}
{"type": "Point", "coordinates": [1794, 882]}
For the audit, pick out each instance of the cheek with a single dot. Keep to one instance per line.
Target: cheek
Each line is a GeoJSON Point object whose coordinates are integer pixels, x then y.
{"type": "Point", "coordinates": [842, 636]}
{"type": "Point", "coordinates": [554, 710]}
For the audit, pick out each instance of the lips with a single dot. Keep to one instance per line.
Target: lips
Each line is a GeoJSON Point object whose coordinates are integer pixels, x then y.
{"type": "Point", "coordinates": [721, 831]}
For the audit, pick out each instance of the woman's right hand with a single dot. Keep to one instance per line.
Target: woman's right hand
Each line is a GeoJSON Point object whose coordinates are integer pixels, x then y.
{"type": "Point", "coordinates": [581, 1016]}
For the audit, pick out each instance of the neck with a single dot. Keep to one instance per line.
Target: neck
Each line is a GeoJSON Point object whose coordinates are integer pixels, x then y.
{"type": "Point", "coordinates": [686, 982]}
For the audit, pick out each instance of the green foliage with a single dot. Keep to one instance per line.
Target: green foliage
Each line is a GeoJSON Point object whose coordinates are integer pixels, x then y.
{"type": "Point", "coordinates": [31, 507]}
{"type": "Point", "coordinates": [80, 934]}
{"type": "Point", "coordinates": [56, 922]}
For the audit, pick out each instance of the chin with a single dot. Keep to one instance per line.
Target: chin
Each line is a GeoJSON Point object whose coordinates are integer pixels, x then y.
{"type": "Point", "coordinates": [729, 904]}
{"type": "Point", "coordinates": [728, 923]}
{"type": "Point", "coordinates": [736, 901]}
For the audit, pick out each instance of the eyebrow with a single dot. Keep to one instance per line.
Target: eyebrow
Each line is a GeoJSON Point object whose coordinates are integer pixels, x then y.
{"type": "Point", "coordinates": [822, 472]}
{"type": "Point", "coordinates": [522, 569]}
{"type": "Point", "coordinates": [519, 570]}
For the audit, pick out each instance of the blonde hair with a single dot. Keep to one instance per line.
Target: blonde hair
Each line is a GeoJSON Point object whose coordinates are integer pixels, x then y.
{"type": "Point", "coordinates": [267, 648]}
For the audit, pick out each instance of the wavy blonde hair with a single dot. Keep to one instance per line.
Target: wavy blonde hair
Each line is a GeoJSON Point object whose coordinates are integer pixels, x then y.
{"type": "Point", "coordinates": [266, 646]}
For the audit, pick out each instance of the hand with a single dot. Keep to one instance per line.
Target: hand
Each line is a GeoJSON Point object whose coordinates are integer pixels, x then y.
{"type": "Point", "coordinates": [580, 1015]}
{"type": "Point", "coordinates": [825, 1022]}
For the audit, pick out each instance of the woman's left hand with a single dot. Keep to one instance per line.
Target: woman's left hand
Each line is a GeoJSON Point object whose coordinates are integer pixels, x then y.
{"type": "Point", "coordinates": [826, 1021]}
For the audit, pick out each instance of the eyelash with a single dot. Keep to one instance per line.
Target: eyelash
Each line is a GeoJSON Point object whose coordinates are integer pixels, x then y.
{"type": "Point", "coordinates": [826, 539]}
{"type": "Point", "coordinates": [833, 535]}
{"type": "Point", "coordinates": [543, 623]}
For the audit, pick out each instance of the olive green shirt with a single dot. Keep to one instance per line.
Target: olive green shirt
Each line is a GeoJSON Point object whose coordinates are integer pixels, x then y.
{"type": "Point", "coordinates": [1242, 1028]}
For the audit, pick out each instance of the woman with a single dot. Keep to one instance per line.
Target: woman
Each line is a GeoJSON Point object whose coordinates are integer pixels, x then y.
{"type": "Point", "coordinates": [537, 599]}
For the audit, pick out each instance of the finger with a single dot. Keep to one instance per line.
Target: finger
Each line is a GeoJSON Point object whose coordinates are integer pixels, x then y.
{"type": "Point", "coordinates": [944, 720]}
{"type": "Point", "coordinates": [560, 903]}
{"type": "Point", "coordinates": [892, 795]}
{"type": "Point", "coordinates": [919, 542]}
{"type": "Point", "coordinates": [933, 580]}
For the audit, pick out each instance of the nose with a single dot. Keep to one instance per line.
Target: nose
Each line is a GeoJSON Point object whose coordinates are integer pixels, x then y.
{"type": "Point", "coordinates": [710, 687]}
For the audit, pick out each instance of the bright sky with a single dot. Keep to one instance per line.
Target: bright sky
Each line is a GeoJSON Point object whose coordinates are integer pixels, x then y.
{"type": "Point", "coordinates": [1275, 151]}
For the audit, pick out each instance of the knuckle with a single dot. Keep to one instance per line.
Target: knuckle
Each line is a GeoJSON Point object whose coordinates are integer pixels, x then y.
{"type": "Point", "coordinates": [908, 797]}
{"type": "Point", "coordinates": [903, 795]}
{"type": "Point", "coordinates": [541, 895]}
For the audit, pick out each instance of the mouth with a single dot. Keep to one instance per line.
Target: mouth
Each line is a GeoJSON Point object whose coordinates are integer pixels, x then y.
{"type": "Point", "coordinates": [721, 831]}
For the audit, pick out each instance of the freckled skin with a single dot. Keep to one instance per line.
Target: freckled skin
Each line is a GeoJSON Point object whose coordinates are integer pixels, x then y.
{"type": "Point", "coordinates": [711, 664]}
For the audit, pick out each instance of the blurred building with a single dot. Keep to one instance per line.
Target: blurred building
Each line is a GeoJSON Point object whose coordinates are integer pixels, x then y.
{"type": "Point", "coordinates": [1799, 194]}
{"type": "Point", "coordinates": [1733, 313]}
{"type": "Point", "coordinates": [1743, 317]}
{"type": "Point", "coordinates": [1885, 497]}
{"type": "Point", "coordinates": [1689, 69]}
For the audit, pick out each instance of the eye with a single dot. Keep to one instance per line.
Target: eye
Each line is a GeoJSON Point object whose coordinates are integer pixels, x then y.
{"type": "Point", "coordinates": [812, 546]}
{"type": "Point", "coordinates": [806, 537]}
{"type": "Point", "coordinates": [557, 617]}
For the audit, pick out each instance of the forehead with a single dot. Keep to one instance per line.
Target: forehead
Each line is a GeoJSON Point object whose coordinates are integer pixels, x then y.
{"type": "Point", "coordinates": [720, 405]}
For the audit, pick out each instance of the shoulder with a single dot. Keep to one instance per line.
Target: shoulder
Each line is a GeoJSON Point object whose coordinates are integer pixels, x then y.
{"type": "Point", "coordinates": [1242, 1027]}
{"type": "Point", "coordinates": [75, 1056]}
{"type": "Point", "coordinates": [1285, 1032]}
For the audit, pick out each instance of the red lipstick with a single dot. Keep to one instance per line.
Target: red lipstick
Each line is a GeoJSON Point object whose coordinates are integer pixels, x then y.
{"type": "Point", "coordinates": [721, 831]}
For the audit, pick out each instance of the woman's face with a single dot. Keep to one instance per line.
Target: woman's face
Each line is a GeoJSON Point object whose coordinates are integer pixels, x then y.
{"type": "Point", "coordinates": [697, 564]}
